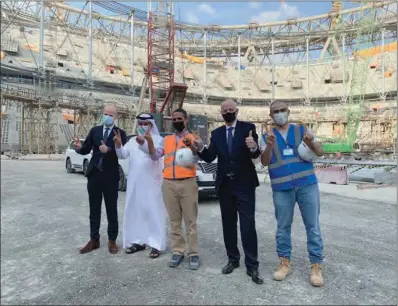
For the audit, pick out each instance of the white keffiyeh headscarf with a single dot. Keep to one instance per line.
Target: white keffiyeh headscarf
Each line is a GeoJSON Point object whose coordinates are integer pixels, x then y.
{"type": "Point", "coordinates": [149, 118]}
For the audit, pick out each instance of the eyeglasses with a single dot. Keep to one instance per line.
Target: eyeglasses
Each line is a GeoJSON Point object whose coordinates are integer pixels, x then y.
{"type": "Point", "coordinates": [110, 115]}
{"type": "Point", "coordinates": [283, 110]}
{"type": "Point", "coordinates": [177, 119]}
{"type": "Point", "coordinates": [144, 123]}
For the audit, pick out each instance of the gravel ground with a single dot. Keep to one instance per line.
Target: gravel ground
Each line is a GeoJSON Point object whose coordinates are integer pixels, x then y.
{"type": "Point", "coordinates": [45, 221]}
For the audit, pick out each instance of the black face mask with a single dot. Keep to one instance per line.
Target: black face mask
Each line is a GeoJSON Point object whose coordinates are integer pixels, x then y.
{"type": "Point", "coordinates": [179, 125]}
{"type": "Point", "coordinates": [229, 117]}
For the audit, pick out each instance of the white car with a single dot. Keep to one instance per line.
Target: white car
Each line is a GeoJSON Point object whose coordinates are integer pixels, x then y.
{"type": "Point", "coordinates": [78, 163]}
{"type": "Point", "coordinates": [205, 173]}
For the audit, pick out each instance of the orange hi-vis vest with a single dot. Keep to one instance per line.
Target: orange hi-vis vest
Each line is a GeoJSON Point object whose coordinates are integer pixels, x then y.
{"type": "Point", "coordinates": [171, 170]}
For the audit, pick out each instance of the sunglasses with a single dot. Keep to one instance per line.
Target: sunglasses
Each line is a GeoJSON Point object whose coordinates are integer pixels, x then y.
{"type": "Point", "coordinates": [177, 119]}
{"type": "Point", "coordinates": [143, 123]}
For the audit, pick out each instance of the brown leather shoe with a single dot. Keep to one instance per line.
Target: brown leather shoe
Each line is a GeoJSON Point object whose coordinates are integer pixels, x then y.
{"type": "Point", "coordinates": [112, 247]}
{"type": "Point", "coordinates": [90, 246]}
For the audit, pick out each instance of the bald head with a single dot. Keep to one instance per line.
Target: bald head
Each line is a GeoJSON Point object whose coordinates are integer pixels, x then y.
{"type": "Point", "coordinates": [228, 106]}
{"type": "Point", "coordinates": [110, 110]}
{"type": "Point", "coordinates": [277, 106]}
{"type": "Point", "coordinates": [229, 111]}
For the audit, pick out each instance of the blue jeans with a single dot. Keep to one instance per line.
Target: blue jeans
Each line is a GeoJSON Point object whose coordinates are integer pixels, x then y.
{"type": "Point", "coordinates": [307, 198]}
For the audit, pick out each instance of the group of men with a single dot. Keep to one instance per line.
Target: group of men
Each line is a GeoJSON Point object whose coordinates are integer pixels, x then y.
{"type": "Point", "coordinates": [157, 183]}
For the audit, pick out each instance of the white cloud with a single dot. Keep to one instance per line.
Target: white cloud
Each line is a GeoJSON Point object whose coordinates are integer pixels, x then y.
{"type": "Point", "coordinates": [254, 5]}
{"type": "Point", "coordinates": [191, 17]}
{"type": "Point", "coordinates": [206, 9]}
{"type": "Point", "coordinates": [285, 11]}
{"type": "Point", "coordinates": [203, 8]}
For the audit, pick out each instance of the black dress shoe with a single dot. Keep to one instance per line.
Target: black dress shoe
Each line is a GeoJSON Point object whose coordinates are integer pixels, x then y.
{"type": "Point", "coordinates": [231, 266]}
{"type": "Point", "coordinates": [255, 276]}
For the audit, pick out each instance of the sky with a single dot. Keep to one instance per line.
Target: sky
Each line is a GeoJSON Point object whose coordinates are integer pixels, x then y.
{"type": "Point", "coordinates": [231, 13]}
{"type": "Point", "coordinates": [235, 13]}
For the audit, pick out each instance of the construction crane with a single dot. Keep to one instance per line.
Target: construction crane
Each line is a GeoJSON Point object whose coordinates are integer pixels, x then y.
{"type": "Point", "coordinates": [356, 98]}
{"type": "Point", "coordinates": [161, 37]}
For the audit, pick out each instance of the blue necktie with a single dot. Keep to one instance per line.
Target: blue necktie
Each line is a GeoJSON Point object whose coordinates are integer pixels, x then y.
{"type": "Point", "coordinates": [230, 139]}
{"type": "Point", "coordinates": [106, 135]}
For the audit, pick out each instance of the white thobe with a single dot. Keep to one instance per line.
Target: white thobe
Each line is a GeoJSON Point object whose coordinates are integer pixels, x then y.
{"type": "Point", "coordinates": [144, 219]}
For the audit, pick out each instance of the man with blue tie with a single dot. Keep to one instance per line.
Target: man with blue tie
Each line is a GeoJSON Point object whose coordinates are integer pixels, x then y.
{"type": "Point", "coordinates": [102, 178]}
{"type": "Point", "coordinates": [235, 145]}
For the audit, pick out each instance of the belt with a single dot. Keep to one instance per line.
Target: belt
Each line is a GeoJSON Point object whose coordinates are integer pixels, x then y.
{"type": "Point", "coordinates": [179, 179]}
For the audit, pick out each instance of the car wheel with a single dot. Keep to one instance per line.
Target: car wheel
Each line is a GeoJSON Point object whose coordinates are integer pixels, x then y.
{"type": "Point", "coordinates": [68, 166]}
{"type": "Point", "coordinates": [85, 166]}
{"type": "Point", "coordinates": [122, 180]}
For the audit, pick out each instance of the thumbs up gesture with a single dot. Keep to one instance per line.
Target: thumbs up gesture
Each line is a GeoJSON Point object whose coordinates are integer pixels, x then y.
{"type": "Point", "coordinates": [270, 139]}
{"type": "Point", "coordinates": [78, 144]}
{"type": "Point", "coordinates": [250, 143]}
{"type": "Point", "coordinates": [308, 138]}
{"type": "Point", "coordinates": [103, 148]}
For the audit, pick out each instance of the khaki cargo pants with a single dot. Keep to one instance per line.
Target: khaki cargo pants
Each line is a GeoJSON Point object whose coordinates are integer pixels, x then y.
{"type": "Point", "coordinates": [181, 200]}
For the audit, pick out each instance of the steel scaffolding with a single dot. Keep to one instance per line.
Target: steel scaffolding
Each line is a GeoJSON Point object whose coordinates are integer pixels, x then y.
{"type": "Point", "coordinates": [161, 33]}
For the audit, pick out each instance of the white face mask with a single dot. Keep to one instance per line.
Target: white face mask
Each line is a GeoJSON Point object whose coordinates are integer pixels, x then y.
{"type": "Point", "coordinates": [281, 118]}
{"type": "Point", "coordinates": [142, 129]}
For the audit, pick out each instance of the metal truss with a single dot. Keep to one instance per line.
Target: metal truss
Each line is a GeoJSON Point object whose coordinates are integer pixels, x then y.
{"type": "Point", "coordinates": [289, 43]}
{"type": "Point", "coordinates": [160, 67]}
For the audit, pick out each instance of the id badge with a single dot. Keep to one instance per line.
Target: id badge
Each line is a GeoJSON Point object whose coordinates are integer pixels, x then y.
{"type": "Point", "coordinates": [288, 152]}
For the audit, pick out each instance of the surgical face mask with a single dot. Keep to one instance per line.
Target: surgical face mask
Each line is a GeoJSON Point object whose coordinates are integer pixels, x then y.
{"type": "Point", "coordinates": [108, 120]}
{"type": "Point", "coordinates": [281, 118]}
{"type": "Point", "coordinates": [229, 117]}
{"type": "Point", "coordinates": [142, 129]}
{"type": "Point", "coordinates": [179, 125]}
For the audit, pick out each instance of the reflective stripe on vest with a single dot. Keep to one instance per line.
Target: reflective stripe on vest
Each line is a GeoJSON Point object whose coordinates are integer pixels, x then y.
{"type": "Point", "coordinates": [171, 170]}
{"type": "Point", "coordinates": [277, 152]}
{"type": "Point", "coordinates": [299, 172]}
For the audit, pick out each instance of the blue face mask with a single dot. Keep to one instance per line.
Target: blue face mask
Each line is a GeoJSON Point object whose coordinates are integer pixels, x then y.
{"type": "Point", "coordinates": [142, 130]}
{"type": "Point", "coordinates": [108, 120]}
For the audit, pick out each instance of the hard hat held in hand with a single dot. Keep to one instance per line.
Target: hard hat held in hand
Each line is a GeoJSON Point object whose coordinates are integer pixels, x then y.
{"type": "Point", "coordinates": [184, 158]}
{"type": "Point", "coordinates": [306, 153]}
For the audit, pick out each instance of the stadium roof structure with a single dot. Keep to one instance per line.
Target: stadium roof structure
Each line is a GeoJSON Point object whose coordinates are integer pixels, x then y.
{"type": "Point", "coordinates": [288, 36]}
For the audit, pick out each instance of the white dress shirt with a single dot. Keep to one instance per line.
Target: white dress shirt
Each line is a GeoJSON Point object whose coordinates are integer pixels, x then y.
{"type": "Point", "coordinates": [106, 127]}
{"type": "Point", "coordinates": [233, 133]}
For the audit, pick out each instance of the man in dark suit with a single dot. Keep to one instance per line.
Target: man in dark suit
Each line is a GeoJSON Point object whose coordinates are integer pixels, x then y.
{"type": "Point", "coordinates": [235, 144]}
{"type": "Point", "coordinates": [102, 178]}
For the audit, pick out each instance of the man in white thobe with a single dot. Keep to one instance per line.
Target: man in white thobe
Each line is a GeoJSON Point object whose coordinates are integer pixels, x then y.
{"type": "Point", "coordinates": [144, 222]}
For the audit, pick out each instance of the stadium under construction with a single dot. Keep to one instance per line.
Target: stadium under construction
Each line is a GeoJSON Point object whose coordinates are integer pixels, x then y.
{"type": "Point", "coordinates": [61, 64]}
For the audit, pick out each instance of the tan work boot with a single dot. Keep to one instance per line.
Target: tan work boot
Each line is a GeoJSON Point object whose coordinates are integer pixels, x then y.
{"type": "Point", "coordinates": [283, 270]}
{"type": "Point", "coordinates": [316, 278]}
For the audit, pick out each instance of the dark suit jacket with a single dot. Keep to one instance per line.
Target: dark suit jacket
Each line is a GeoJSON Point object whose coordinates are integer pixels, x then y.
{"type": "Point", "coordinates": [110, 162]}
{"type": "Point", "coordinates": [239, 162]}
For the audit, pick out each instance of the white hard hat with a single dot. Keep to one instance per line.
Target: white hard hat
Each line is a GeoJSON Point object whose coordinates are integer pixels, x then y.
{"type": "Point", "coordinates": [305, 152]}
{"type": "Point", "coordinates": [184, 158]}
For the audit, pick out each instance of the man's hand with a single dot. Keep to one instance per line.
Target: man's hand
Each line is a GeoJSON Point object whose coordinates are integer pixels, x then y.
{"type": "Point", "coordinates": [270, 139]}
{"type": "Point", "coordinates": [103, 148]}
{"type": "Point", "coordinates": [198, 144]}
{"type": "Point", "coordinates": [250, 143]}
{"type": "Point", "coordinates": [147, 136]}
{"type": "Point", "coordinates": [308, 139]}
{"type": "Point", "coordinates": [140, 140]}
{"type": "Point", "coordinates": [117, 139]}
{"type": "Point", "coordinates": [78, 144]}
{"type": "Point", "coordinates": [190, 144]}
